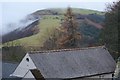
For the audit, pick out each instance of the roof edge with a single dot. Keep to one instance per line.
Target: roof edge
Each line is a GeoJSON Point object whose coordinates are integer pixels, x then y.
{"type": "Point", "coordinates": [60, 50]}
{"type": "Point", "coordinates": [93, 75]}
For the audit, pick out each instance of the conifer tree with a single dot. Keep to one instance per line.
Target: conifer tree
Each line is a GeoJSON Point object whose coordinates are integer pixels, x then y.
{"type": "Point", "coordinates": [70, 36]}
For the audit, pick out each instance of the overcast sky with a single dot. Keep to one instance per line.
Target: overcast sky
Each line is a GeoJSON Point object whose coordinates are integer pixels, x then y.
{"type": "Point", "coordinates": [15, 10]}
{"type": "Point", "coordinates": [19, 10]}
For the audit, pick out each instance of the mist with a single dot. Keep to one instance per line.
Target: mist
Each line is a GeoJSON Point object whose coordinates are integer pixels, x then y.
{"type": "Point", "coordinates": [13, 12]}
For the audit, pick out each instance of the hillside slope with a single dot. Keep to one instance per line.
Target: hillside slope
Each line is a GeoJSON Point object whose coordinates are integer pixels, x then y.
{"type": "Point", "coordinates": [29, 30]}
{"type": "Point", "coordinates": [97, 25]}
{"type": "Point", "coordinates": [49, 20]}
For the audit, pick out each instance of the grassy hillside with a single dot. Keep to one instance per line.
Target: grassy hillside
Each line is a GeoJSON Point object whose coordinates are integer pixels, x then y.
{"type": "Point", "coordinates": [13, 51]}
{"type": "Point", "coordinates": [46, 27]}
{"type": "Point", "coordinates": [50, 20]}
{"type": "Point", "coordinates": [63, 10]}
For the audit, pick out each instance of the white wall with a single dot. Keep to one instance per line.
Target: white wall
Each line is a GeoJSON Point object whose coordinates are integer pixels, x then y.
{"type": "Point", "coordinates": [24, 67]}
{"type": "Point", "coordinates": [117, 70]}
{"type": "Point", "coordinates": [29, 75]}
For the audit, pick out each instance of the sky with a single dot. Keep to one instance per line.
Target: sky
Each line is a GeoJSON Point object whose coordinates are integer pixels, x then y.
{"type": "Point", "coordinates": [13, 11]}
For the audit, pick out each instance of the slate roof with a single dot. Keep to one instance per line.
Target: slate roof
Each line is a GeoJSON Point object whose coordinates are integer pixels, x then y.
{"type": "Point", "coordinates": [7, 69]}
{"type": "Point", "coordinates": [74, 63]}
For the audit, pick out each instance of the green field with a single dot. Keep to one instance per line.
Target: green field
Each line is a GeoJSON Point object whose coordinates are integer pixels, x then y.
{"type": "Point", "coordinates": [15, 50]}
{"type": "Point", "coordinates": [76, 11]}
{"type": "Point", "coordinates": [46, 27]}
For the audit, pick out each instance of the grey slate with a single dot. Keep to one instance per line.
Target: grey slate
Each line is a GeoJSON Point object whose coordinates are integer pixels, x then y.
{"type": "Point", "coordinates": [7, 69]}
{"type": "Point", "coordinates": [74, 63]}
